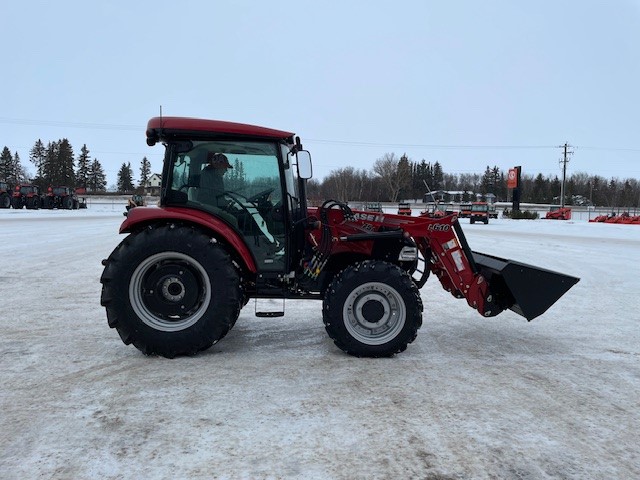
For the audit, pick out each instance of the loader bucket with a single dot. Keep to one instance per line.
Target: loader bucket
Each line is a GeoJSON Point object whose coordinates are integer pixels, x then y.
{"type": "Point", "coordinates": [527, 290]}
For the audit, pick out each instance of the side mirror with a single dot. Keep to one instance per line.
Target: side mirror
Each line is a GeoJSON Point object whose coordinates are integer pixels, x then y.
{"type": "Point", "coordinates": [304, 164]}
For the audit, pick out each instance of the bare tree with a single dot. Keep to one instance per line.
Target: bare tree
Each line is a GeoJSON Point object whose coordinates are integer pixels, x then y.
{"type": "Point", "coordinates": [387, 169]}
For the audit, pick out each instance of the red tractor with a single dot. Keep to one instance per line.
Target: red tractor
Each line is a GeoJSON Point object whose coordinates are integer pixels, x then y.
{"type": "Point", "coordinates": [5, 195]}
{"type": "Point", "coordinates": [61, 197]}
{"type": "Point", "coordinates": [26, 196]}
{"type": "Point", "coordinates": [233, 224]}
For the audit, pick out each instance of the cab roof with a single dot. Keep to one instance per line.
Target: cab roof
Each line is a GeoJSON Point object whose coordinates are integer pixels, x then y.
{"type": "Point", "coordinates": [160, 127]}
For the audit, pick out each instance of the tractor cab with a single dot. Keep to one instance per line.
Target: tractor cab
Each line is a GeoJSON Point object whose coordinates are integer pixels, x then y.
{"type": "Point", "coordinates": [249, 186]}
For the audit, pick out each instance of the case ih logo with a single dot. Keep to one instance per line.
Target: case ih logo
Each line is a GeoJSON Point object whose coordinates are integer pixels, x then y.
{"type": "Point", "coordinates": [369, 217]}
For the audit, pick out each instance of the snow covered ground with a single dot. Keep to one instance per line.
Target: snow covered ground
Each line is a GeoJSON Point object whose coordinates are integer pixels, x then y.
{"type": "Point", "coordinates": [471, 398]}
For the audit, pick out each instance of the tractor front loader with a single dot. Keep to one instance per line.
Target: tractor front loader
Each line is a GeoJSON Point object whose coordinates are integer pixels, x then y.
{"type": "Point", "coordinates": [233, 225]}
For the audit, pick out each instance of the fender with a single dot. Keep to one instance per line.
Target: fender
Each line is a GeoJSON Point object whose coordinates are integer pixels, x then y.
{"type": "Point", "coordinates": [141, 216]}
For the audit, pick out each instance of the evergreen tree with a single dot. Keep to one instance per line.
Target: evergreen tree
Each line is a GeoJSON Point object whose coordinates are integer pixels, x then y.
{"type": "Point", "coordinates": [56, 166]}
{"type": "Point", "coordinates": [491, 181]}
{"type": "Point", "coordinates": [554, 190]}
{"type": "Point", "coordinates": [37, 156]}
{"type": "Point", "coordinates": [6, 165]}
{"type": "Point", "coordinates": [96, 179]}
{"type": "Point", "coordinates": [125, 178]}
{"type": "Point", "coordinates": [438, 177]}
{"type": "Point", "coordinates": [423, 173]}
{"type": "Point", "coordinates": [236, 178]}
{"type": "Point", "coordinates": [404, 177]}
{"type": "Point", "coordinates": [84, 165]}
{"type": "Point", "coordinates": [65, 174]}
{"type": "Point", "coordinates": [48, 166]}
{"type": "Point", "coordinates": [11, 170]}
{"type": "Point", "coordinates": [19, 173]}
{"type": "Point", "coordinates": [539, 193]}
{"type": "Point", "coordinates": [145, 172]}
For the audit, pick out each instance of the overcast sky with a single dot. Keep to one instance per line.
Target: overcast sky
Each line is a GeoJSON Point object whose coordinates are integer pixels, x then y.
{"type": "Point", "coordinates": [466, 83]}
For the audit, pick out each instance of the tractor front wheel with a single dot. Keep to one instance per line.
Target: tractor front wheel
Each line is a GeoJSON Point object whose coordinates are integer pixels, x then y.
{"type": "Point", "coordinates": [5, 201]}
{"type": "Point", "coordinates": [170, 290]}
{"type": "Point", "coordinates": [372, 309]}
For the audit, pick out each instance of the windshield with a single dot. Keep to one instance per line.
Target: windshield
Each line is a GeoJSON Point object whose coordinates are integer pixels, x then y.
{"type": "Point", "coordinates": [240, 183]}
{"type": "Point", "coordinates": [250, 168]}
{"type": "Point", "coordinates": [479, 208]}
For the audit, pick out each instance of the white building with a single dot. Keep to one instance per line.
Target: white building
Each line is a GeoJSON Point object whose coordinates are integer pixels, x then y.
{"type": "Point", "coordinates": [152, 187]}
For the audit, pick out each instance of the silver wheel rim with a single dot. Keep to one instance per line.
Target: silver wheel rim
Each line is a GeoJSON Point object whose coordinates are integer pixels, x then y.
{"type": "Point", "coordinates": [374, 313]}
{"type": "Point", "coordinates": [171, 288]}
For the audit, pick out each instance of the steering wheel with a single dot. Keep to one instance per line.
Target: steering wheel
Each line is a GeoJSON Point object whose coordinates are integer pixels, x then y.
{"type": "Point", "coordinates": [251, 209]}
{"type": "Point", "coordinates": [238, 199]}
{"type": "Point", "coordinates": [261, 197]}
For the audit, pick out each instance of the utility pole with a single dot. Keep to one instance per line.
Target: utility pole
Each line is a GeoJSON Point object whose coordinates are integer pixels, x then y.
{"type": "Point", "coordinates": [564, 161]}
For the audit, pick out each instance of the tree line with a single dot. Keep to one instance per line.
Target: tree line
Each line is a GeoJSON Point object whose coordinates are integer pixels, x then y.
{"type": "Point", "coordinates": [56, 164]}
{"type": "Point", "coordinates": [391, 179]}
{"type": "Point", "coordinates": [394, 179]}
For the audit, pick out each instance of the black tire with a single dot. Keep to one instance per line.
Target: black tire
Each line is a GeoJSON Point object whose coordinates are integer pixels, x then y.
{"type": "Point", "coordinates": [372, 309]}
{"type": "Point", "coordinates": [16, 203]}
{"type": "Point", "coordinates": [67, 203]}
{"type": "Point", "coordinates": [5, 201]}
{"type": "Point", "coordinates": [170, 291]}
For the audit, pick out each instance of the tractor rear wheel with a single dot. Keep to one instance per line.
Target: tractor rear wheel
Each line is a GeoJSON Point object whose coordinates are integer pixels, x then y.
{"type": "Point", "coordinates": [170, 290]}
{"type": "Point", "coordinates": [5, 201]}
{"type": "Point", "coordinates": [372, 309]}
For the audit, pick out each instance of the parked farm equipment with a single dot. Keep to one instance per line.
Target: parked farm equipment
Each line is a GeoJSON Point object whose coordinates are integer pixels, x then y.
{"type": "Point", "coordinates": [26, 196]}
{"type": "Point", "coordinates": [624, 218]}
{"type": "Point", "coordinates": [5, 195]}
{"type": "Point", "coordinates": [176, 284]}
{"type": "Point", "coordinates": [465, 210]}
{"type": "Point", "coordinates": [61, 197]}
{"type": "Point", "coordinates": [556, 212]}
{"type": "Point", "coordinates": [404, 208]}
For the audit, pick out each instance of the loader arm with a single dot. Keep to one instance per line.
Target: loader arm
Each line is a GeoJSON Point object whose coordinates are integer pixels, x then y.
{"type": "Point", "coordinates": [453, 262]}
{"type": "Point", "coordinates": [489, 284]}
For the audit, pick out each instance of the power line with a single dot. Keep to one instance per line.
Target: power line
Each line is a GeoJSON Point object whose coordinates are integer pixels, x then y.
{"type": "Point", "coordinates": [109, 126]}
{"type": "Point", "coordinates": [54, 123]}
{"type": "Point", "coordinates": [612, 149]}
{"type": "Point", "coordinates": [430, 146]}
